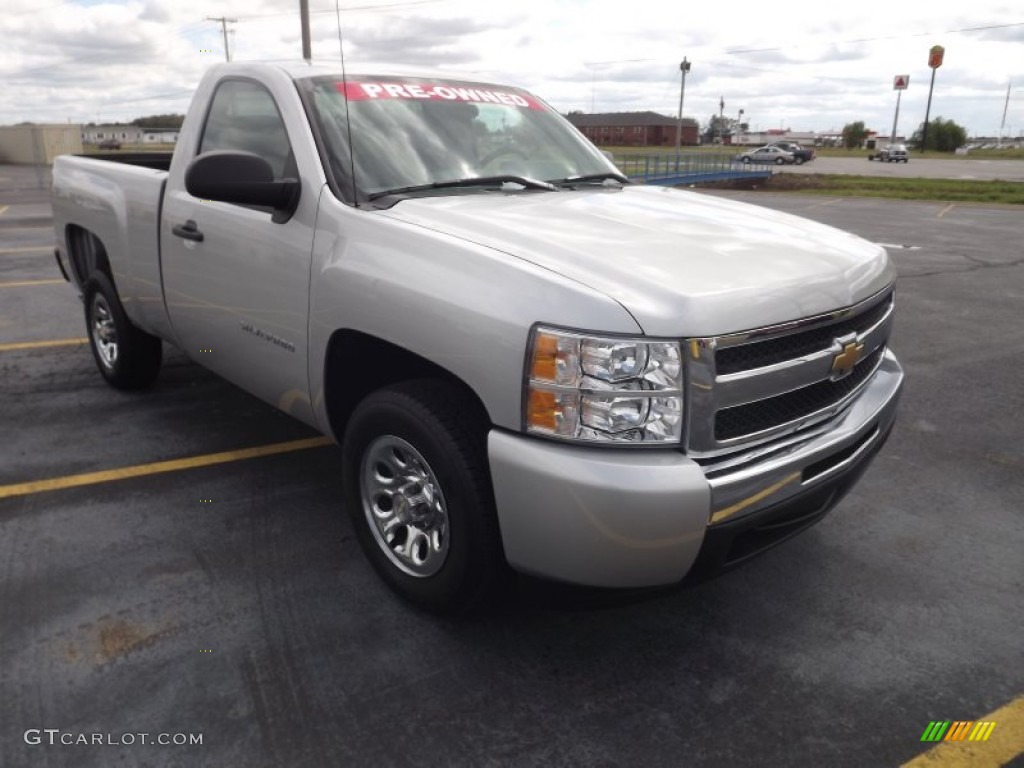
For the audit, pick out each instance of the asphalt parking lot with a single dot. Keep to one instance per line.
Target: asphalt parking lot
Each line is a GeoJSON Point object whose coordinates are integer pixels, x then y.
{"type": "Point", "coordinates": [232, 601]}
{"type": "Point", "coordinates": [930, 168]}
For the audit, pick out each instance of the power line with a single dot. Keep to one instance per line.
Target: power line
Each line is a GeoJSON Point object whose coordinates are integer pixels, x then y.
{"type": "Point", "coordinates": [104, 55]}
{"type": "Point", "coordinates": [383, 7]}
{"type": "Point", "coordinates": [888, 37]}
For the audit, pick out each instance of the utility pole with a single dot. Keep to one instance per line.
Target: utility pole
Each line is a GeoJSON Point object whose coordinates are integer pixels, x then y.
{"type": "Point", "coordinates": [1005, 106]}
{"type": "Point", "coordinates": [224, 30]}
{"type": "Point", "coordinates": [307, 50]}
{"type": "Point", "coordinates": [684, 67]}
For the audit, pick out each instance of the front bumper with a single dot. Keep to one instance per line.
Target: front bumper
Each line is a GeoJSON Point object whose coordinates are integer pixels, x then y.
{"type": "Point", "coordinates": [635, 518]}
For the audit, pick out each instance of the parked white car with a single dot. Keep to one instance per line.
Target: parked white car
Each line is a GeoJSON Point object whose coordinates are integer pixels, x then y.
{"type": "Point", "coordinates": [894, 153]}
{"type": "Point", "coordinates": [769, 154]}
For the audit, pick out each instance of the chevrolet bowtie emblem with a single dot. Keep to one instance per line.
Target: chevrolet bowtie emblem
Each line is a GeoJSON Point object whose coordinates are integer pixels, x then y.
{"type": "Point", "coordinates": [843, 363]}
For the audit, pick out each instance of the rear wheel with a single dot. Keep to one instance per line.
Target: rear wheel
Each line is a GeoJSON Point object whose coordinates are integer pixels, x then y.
{"type": "Point", "coordinates": [799, 161]}
{"type": "Point", "coordinates": [779, 161]}
{"type": "Point", "coordinates": [746, 161]}
{"type": "Point", "coordinates": [128, 358]}
{"type": "Point", "coordinates": [418, 491]}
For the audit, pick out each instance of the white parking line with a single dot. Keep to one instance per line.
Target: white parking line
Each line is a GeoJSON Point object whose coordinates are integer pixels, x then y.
{"type": "Point", "coordinates": [895, 247]}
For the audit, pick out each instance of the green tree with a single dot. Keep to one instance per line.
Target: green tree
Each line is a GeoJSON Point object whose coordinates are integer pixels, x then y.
{"type": "Point", "coordinates": [854, 134]}
{"type": "Point", "coordinates": [718, 128]}
{"type": "Point", "coordinates": [943, 135]}
{"type": "Point", "coordinates": [159, 121]}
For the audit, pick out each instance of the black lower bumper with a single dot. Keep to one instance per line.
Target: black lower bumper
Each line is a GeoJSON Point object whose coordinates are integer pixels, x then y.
{"type": "Point", "coordinates": [728, 545]}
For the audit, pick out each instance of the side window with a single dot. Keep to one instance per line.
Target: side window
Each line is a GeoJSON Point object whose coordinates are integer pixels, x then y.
{"type": "Point", "coordinates": [243, 117]}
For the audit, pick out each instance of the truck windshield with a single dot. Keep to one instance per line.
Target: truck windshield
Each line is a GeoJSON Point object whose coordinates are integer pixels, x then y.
{"type": "Point", "coordinates": [412, 132]}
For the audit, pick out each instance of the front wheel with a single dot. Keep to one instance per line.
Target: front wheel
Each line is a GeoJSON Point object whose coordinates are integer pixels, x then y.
{"type": "Point", "coordinates": [418, 492]}
{"type": "Point", "coordinates": [128, 358]}
{"type": "Point", "coordinates": [779, 161]}
{"type": "Point", "coordinates": [746, 161]}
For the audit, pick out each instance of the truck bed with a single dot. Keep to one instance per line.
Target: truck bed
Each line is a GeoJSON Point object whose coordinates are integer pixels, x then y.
{"type": "Point", "coordinates": [158, 161]}
{"type": "Point", "coordinates": [117, 198]}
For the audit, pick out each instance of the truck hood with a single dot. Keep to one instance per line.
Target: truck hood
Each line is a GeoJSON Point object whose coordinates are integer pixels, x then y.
{"type": "Point", "coordinates": [682, 263]}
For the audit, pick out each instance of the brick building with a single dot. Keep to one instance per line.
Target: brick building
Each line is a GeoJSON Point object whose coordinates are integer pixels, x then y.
{"type": "Point", "coordinates": [633, 129]}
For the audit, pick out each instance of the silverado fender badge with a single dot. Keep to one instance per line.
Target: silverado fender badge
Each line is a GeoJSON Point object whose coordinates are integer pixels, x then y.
{"type": "Point", "coordinates": [267, 336]}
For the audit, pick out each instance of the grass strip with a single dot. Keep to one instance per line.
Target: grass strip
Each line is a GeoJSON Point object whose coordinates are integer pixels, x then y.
{"type": "Point", "coordinates": [941, 190]}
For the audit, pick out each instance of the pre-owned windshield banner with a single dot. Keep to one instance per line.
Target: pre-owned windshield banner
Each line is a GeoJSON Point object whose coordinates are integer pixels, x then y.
{"type": "Point", "coordinates": [424, 91]}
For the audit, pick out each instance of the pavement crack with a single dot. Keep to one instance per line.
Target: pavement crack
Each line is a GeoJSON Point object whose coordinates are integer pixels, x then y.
{"type": "Point", "coordinates": [978, 265]}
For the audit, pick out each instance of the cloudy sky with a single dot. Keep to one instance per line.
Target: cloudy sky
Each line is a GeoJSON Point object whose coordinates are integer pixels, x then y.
{"type": "Point", "coordinates": [792, 64]}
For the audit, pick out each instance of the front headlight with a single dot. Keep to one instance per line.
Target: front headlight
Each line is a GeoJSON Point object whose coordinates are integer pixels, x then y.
{"type": "Point", "coordinates": [598, 389]}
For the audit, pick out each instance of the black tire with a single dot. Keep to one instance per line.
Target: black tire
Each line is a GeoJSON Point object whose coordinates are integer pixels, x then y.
{"type": "Point", "coordinates": [746, 161]}
{"type": "Point", "coordinates": [799, 161]}
{"type": "Point", "coordinates": [134, 360]}
{"type": "Point", "coordinates": [779, 161]}
{"type": "Point", "coordinates": [432, 418]}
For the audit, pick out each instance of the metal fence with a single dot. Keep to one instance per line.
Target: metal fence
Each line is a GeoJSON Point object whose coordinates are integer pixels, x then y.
{"type": "Point", "coordinates": [687, 168]}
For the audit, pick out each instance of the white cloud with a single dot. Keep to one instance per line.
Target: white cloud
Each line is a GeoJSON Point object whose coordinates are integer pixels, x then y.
{"type": "Point", "coordinates": [807, 65]}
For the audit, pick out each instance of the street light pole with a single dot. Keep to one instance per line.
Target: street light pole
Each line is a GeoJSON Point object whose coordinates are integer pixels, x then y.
{"type": "Point", "coordinates": [684, 67]}
{"type": "Point", "coordinates": [721, 117]}
{"type": "Point", "coordinates": [896, 117]}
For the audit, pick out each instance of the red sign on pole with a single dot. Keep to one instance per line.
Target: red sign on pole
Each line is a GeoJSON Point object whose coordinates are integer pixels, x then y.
{"type": "Point", "coordinates": [935, 54]}
{"type": "Point", "coordinates": [900, 82]}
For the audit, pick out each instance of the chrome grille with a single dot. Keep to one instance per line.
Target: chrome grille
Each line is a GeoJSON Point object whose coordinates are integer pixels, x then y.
{"type": "Point", "coordinates": [750, 388]}
{"type": "Point", "coordinates": [781, 409]}
{"type": "Point", "coordinates": [760, 353]}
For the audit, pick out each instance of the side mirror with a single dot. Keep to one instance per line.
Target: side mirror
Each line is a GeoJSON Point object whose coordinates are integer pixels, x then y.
{"type": "Point", "coordinates": [242, 178]}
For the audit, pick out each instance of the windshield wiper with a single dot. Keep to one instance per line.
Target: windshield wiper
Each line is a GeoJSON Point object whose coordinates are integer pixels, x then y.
{"type": "Point", "coordinates": [472, 181]}
{"type": "Point", "coordinates": [607, 176]}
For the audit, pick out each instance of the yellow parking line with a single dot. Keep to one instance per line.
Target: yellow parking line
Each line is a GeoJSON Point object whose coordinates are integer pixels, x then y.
{"type": "Point", "coordinates": [28, 248]}
{"type": "Point", "coordinates": [26, 283]}
{"type": "Point", "coordinates": [41, 344]}
{"type": "Point", "coordinates": [3, 209]}
{"type": "Point", "coordinates": [1005, 743]}
{"type": "Point", "coordinates": [174, 465]}
{"type": "Point", "coordinates": [945, 210]}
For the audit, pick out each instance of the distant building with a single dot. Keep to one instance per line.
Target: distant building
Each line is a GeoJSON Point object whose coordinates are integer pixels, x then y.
{"type": "Point", "coordinates": [126, 134]}
{"type": "Point", "coordinates": [38, 144]}
{"type": "Point", "coordinates": [633, 129]}
{"type": "Point", "coordinates": [771, 135]}
{"type": "Point", "coordinates": [160, 136]}
{"type": "Point", "coordinates": [129, 134]}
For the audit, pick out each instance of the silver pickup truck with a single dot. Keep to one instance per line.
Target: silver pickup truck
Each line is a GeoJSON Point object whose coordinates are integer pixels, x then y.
{"type": "Point", "coordinates": [527, 360]}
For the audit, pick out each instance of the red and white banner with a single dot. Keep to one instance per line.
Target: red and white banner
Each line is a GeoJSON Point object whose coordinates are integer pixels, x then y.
{"type": "Point", "coordinates": [382, 91]}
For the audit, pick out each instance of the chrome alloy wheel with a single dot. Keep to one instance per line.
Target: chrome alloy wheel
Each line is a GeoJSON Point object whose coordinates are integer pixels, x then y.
{"type": "Point", "coordinates": [104, 333]}
{"type": "Point", "coordinates": [404, 506]}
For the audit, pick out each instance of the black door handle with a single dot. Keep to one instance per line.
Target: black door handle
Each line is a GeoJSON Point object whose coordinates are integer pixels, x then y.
{"type": "Point", "coordinates": [188, 230]}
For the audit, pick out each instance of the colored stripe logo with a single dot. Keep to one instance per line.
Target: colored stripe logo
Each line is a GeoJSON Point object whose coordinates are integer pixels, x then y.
{"type": "Point", "coordinates": [958, 730]}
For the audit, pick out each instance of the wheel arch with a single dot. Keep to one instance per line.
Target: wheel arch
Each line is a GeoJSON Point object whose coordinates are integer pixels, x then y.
{"type": "Point", "coordinates": [87, 254]}
{"type": "Point", "coordinates": [379, 363]}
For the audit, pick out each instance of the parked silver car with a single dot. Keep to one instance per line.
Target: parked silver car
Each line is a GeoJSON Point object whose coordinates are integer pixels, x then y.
{"type": "Point", "coordinates": [767, 155]}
